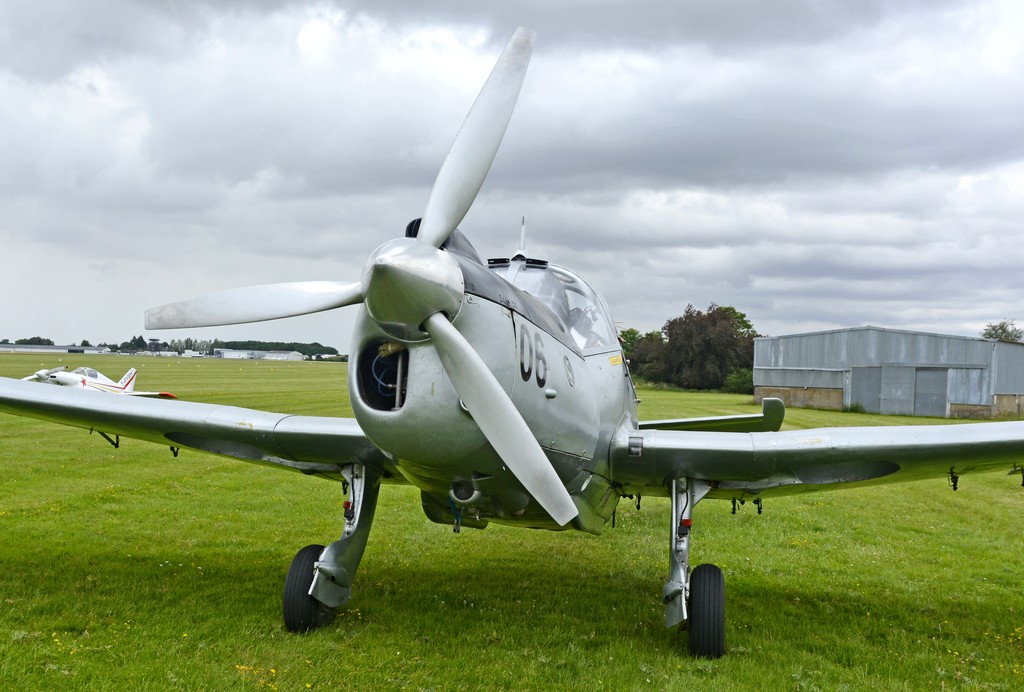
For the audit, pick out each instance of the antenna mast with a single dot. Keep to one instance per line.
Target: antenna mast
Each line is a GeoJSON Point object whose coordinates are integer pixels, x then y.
{"type": "Point", "coordinates": [522, 238]}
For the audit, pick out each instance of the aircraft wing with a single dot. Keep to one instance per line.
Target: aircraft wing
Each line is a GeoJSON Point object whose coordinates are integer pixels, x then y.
{"type": "Point", "coordinates": [309, 444]}
{"type": "Point", "coordinates": [763, 464]}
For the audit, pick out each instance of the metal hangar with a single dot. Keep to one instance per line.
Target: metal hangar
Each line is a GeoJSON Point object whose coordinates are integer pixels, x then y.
{"type": "Point", "coordinates": [892, 371]}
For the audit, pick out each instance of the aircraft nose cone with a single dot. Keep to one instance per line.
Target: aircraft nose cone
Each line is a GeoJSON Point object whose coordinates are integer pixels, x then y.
{"type": "Point", "coordinates": [406, 282]}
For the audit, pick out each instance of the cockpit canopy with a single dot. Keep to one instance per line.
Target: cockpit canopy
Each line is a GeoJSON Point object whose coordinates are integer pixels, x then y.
{"type": "Point", "coordinates": [86, 372]}
{"type": "Point", "coordinates": [576, 307]}
{"type": "Point", "coordinates": [571, 299]}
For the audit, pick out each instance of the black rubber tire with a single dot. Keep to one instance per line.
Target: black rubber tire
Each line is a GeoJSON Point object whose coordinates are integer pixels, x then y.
{"type": "Point", "coordinates": [302, 612]}
{"type": "Point", "coordinates": [707, 612]}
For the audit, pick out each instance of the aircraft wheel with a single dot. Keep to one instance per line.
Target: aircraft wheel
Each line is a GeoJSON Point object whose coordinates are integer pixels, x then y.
{"type": "Point", "coordinates": [302, 612]}
{"type": "Point", "coordinates": [707, 612]}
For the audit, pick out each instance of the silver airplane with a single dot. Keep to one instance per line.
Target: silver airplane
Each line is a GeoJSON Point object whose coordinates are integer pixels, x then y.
{"type": "Point", "coordinates": [499, 390]}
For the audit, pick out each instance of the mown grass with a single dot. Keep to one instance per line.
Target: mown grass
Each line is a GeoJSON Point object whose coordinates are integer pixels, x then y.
{"type": "Point", "coordinates": [132, 568]}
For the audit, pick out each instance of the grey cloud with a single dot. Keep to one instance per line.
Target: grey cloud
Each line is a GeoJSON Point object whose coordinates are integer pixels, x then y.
{"type": "Point", "coordinates": [814, 164]}
{"type": "Point", "coordinates": [721, 25]}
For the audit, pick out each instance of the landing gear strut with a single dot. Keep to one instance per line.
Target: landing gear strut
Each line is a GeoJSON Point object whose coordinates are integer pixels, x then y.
{"type": "Point", "coordinates": [320, 579]}
{"type": "Point", "coordinates": [696, 597]}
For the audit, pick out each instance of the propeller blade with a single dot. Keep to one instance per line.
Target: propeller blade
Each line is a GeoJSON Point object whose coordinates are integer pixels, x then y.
{"type": "Point", "coordinates": [498, 418]}
{"type": "Point", "coordinates": [476, 144]}
{"type": "Point", "coordinates": [255, 304]}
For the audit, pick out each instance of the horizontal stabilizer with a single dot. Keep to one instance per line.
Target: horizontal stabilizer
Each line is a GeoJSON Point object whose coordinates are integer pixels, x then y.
{"type": "Point", "coordinates": [773, 411]}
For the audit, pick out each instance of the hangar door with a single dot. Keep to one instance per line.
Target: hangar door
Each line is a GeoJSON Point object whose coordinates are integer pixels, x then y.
{"type": "Point", "coordinates": [903, 390]}
{"type": "Point", "coordinates": [930, 386]}
{"type": "Point", "coordinates": [865, 388]}
{"type": "Point", "coordinates": [897, 392]}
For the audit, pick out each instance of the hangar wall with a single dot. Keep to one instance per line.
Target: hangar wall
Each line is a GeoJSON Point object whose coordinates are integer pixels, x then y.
{"type": "Point", "coordinates": [892, 371]}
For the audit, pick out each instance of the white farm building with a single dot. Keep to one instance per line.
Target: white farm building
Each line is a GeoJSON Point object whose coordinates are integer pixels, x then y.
{"type": "Point", "coordinates": [892, 371]}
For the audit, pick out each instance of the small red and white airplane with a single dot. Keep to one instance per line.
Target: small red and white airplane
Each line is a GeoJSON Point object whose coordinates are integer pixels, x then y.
{"type": "Point", "coordinates": [90, 379]}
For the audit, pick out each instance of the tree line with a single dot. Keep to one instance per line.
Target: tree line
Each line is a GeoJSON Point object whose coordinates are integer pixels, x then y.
{"type": "Point", "coordinates": [308, 350]}
{"type": "Point", "coordinates": [202, 346]}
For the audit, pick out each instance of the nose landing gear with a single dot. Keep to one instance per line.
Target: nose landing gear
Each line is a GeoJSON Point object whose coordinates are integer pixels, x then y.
{"type": "Point", "coordinates": [320, 579]}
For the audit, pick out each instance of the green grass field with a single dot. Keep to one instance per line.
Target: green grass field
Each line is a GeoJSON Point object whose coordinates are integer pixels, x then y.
{"type": "Point", "coordinates": [130, 569]}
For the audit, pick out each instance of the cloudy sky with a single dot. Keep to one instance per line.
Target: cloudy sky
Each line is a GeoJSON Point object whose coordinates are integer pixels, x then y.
{"type": "Point", "coordinates": [817, 164]}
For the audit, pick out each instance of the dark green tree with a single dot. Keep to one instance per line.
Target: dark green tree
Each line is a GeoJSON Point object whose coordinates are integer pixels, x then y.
{"type": "Point", "coordinates": [647, 357]}
{"type": "Point", "coordinates": [628, 337]}
{"type": "Point", "coordinates": [703, 347]}
{"type": "Point", "coordinates": [1004, 330]}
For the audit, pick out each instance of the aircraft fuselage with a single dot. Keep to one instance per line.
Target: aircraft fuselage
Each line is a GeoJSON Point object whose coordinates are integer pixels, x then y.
{"type": "Point", "coordinates": [573, 391]}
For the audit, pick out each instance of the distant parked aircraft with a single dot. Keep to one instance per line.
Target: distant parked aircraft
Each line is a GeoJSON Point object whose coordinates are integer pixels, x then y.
{"type": "Point", "coordinates": [88, 378]}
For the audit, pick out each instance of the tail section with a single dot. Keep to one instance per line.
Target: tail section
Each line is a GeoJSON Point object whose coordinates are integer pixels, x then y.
{"type": "Point", "coordinates": [127, 382]}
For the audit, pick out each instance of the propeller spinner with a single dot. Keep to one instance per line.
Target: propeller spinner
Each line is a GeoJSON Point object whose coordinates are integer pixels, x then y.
{"type": "Point", "coordinates": [413, 290]}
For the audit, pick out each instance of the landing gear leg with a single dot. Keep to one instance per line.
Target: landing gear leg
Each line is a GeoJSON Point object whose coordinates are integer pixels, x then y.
{"type": "Point", "coordinates": [698, 597]}
{"type": "Point", "coordinates": [320, 579]}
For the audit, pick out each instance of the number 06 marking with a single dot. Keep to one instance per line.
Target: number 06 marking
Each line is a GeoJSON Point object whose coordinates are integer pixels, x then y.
{"type": "Point", "coordinates": [531, 358]}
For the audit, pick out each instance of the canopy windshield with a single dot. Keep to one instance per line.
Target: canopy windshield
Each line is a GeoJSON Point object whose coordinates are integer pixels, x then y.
{"type": "Point", "coordinates": [571, 299]}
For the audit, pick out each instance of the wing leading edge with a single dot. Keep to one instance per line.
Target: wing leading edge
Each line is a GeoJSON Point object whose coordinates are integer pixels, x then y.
{"type": "Point", "coordinates": [763, 464]}
{"type": "Point", "coordinates": [309, 444]}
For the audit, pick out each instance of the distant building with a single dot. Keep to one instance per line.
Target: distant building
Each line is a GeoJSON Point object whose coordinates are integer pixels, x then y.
{"type": "Point", "coordinates": [892, 371]}
{"type": "Point", "coordinates": [236, 354]}
{"type": "Point", "coordinates": [233, 354]}
{"type": "Point", "coordinates": [29, 348]}
{"type": "Point", "coordinates": [283, 355]}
